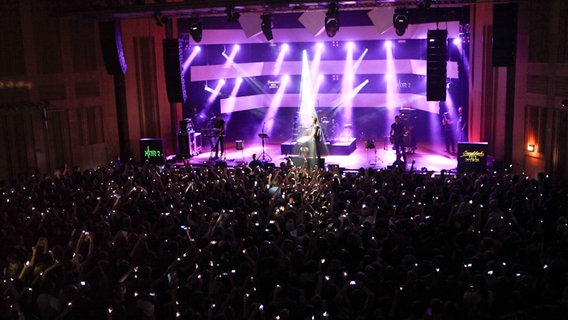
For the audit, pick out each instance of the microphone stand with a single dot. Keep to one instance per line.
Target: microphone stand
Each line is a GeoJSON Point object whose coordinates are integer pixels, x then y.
{"type": "Point", "coordinates": [263, 156]}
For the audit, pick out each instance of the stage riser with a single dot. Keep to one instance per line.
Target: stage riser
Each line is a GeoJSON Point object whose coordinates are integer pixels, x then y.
{"type": "Point", "coordinates": [343, 148]}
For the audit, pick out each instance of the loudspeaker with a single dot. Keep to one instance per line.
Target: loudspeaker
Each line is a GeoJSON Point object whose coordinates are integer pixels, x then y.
{"type": "Point", "coordinates": [172, 70]}
{"type": "Point", "coordinates": [436, 56]}
{"type": "Point", "coordinates": [239, 145]}
{"type": "Point", "coordinates": [185, 125]}
{"type": "Point", "coordinates": [111, 46]}
{"type": "Point", "coordinates": [504, 34]}
{"type": "Point", "coordinates": [183, 144]}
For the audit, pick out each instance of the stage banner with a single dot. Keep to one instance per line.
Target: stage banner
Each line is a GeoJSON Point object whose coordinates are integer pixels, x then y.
{"type": "Point", "coordinates": [152, 150]}
{"type": "Point", "coordinates": [472, 157]}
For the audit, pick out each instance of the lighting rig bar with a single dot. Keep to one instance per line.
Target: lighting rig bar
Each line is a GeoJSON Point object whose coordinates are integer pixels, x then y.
{"type": "Point", "coordinates": [101, 10]}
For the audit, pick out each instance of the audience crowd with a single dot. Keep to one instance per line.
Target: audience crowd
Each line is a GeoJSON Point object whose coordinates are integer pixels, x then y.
{"type": "Point", "coordinates": [125, 241]}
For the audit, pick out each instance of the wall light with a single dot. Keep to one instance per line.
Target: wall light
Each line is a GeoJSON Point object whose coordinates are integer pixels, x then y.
{"type": "Point", "coordinates": [266, 26]}
{"type": "Point", "coordinates": [530, 148]}
{"type": "Point", "coordinates": [332, 19]}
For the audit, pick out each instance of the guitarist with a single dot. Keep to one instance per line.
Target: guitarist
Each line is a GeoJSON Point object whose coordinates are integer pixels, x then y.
{"type": "Point", "coordinates": [219, 130]}
{"type": "Point", "coordinates": [397, 139]}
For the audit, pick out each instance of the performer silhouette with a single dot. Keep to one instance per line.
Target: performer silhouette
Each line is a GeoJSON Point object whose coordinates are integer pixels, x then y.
{"type": "Point", "coordinates": [462, 126]}
{"type": "Point", "coordinates": [447, 126]}
{"type": "Point", "coordinates": [397, 139]}
{"type": "Point", "coordinates": [316, 138]}
{"type": "Point", "coordinates": [219, 128]}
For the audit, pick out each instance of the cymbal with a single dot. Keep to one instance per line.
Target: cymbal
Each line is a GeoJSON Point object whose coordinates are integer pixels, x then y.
{"type": "Point", "coordinates": [263, 135]}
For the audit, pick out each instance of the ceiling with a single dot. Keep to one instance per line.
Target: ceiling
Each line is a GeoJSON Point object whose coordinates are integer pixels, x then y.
{"type": "Point", "coordinates": [121, 9]}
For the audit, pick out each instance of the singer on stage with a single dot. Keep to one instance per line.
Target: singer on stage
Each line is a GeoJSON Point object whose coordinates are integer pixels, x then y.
{"type": "Point", "coordinates": [316, 139]}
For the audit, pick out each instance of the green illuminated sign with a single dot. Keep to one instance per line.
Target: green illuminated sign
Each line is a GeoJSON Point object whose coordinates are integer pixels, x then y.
{"type": "Point", "coordinates": [149, 153]}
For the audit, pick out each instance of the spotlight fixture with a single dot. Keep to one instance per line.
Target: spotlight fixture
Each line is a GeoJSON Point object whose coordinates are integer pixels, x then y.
{"type": "Point", "coordinates": [400, 23]}
{"type": "Point", "coordinates": [531, 148]}
{"type": "Point", "coordinates": [196, 29]}
{"type": "Point", "coordinates": [332, 19]}
{"type": "Point", "coordinates": [232, 14]}
{"type": "Point", "coordinates": [266, 26]}
{"type": "Point", "coordinates": [565, 103]}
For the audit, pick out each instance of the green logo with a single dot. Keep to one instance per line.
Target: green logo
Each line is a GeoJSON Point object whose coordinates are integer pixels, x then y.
{"type": "Point", "coordinates": [149, 153]}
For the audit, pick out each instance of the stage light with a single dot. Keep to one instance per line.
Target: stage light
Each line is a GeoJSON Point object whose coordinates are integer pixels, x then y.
{"type": "Point", "coordinates": [332, 19]}
{"type": "Point", "coordinates": [565, 103]}
{"type": "Point", "coordinates": [196, 29]}
{"type": "Point", "coordinates": [400, 23]}
{"type": "Point", "coordinates": [232, 14]}
{"type": "Point", "coordinates": [531, 148]}
{"type": "Point", "coordinates": [266, 26]}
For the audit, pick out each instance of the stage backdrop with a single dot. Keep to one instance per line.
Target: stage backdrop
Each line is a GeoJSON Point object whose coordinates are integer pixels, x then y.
{"type": "Point", "coordinates": [219, 78]}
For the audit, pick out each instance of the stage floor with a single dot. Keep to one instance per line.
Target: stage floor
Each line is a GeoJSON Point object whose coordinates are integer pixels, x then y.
{"type": "Point", "coordinates": [431, 157]}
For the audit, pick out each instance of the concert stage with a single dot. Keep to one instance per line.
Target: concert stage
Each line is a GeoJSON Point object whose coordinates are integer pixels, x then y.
{"type": "Point", "coordinates": [427, 155]}
{"type": "Point", "coordinates": [340, 147]}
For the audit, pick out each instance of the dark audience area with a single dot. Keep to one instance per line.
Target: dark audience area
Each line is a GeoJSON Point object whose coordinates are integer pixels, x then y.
{"type": "Point", "coordinates": [126, 241]}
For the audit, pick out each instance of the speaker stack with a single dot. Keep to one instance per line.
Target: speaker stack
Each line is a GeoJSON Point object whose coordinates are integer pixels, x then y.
{"type": "Point", "coordinates": [436, 56]}
{"type": "Point", "coordinates": [172, 70]}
